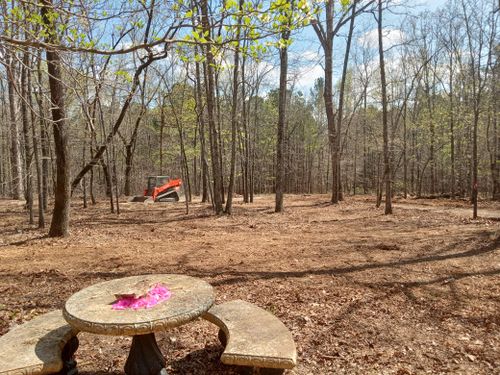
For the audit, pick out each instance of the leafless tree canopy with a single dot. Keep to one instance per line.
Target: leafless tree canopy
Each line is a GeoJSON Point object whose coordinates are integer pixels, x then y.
{"type": "Point", "coordinates": [97, 95]}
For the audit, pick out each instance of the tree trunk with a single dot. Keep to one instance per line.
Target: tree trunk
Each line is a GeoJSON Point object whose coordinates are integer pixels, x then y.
{"type": "Point", "coordinates": [405, 158]}
{"type": "Point", "coordinates": [38, 164]}
{"type": "Point", "coordinates": [340, 112]}
{"type": "Point", "coordinates": [91, 185]}
{"type": "Point", "coordinates": [495, 149]}
{"type": "Point", "coordinates": [27, 137]}
{"type": "Point", "coordinates": [326, 39]}
{"type": "Point", "coordinates": [280, 146]}
{"type": "Point", "coordinates": [196, 185]}
{"type": "Point", "coordinates": [327, 44]}
{"type": "Point", "coordinates": [387, 166]}
{"type": "Point", "coordinates": [15, 147]}
{"type": "Point", "coordinates": [201, 125]}
{"type": "Point", "coordinates": [474, 162]}
{"type": "Point", "coordinates": [115, 178]}
{"type": "Point", "coordinates": [218, 133]}
{"type": "Point", "coordinates": [84, 181]}
{"type": "Point", "coordinates": [254, 141]}
{"type": "Point", "coordinates": [210, 92]}
{"type": "Point", "coordinates": [246, 137]}
{"type": "Point", "coordinates": [60, 215]}
{"type": "Point", "coordinates": [234, 118]}
{"type": "Point", "coordinates": [432, 162]}
{"type": "Point", "coordinates": [129, 155]}
{"type": "Point", "coordinates": [365, 151]}
{"type": "Point", "coordinates": [44, 137]}
{"type": "Point", "coordinates": [452, 131]}
{"type": "Point", "coordinates": [162, 129]}
{"type": "Point", "coordinates": [130, 150]}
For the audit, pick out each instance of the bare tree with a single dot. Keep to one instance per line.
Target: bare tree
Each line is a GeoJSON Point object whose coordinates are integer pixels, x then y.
{"type": "Point", "coordinates": [383, 84]}
{"type": "Point", "coordinates": [211, 106]}
{"type": "Point", "coordinates": [234, 115]}
{"type": "Point", "coordinates": [60, 216]}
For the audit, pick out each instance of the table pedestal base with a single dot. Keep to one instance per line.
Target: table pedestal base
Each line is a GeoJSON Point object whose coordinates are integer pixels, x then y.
{"type": "Point", "coordinates": [145, 357]}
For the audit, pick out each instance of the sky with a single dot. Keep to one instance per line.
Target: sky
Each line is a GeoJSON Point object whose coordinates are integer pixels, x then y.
{"type": "Point", "coordinates": [306, 54]}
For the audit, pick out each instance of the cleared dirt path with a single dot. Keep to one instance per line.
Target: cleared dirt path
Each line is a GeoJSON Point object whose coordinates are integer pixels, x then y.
{"type": "Point", "coordinates": [417, 292]}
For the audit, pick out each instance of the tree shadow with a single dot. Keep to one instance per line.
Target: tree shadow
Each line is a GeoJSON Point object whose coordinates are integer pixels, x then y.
{"type": "Point", "coordinates": [134, 221]}
{"type": "Point", "coordinates": [239, 276]}
{"type": "Point", "coordinates": [317, 204]}
{"type": "Point", "coordinates": [203, 362]}
{"type": "Point", "coordinates": [26, 241]}
{"type": "Point", "coordinates": [448, 279]}
{"type": "Point", "coordinates": [435, 315]}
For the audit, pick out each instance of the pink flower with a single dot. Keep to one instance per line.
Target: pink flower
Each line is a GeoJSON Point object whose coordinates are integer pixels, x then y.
{"type": "Point", "coordinates": [155, 295]}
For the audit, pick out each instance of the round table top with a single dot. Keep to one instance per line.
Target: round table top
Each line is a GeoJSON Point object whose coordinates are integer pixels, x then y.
{"type": "Point", "coordinates": [90, 309]}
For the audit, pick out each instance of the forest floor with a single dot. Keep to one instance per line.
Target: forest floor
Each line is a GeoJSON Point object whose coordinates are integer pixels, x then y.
{"type": "Point", "coordinates": [417, 292]}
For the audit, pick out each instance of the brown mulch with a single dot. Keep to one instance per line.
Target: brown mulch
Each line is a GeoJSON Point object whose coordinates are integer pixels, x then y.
{"type": "Point", "coordinates": [363, 293]}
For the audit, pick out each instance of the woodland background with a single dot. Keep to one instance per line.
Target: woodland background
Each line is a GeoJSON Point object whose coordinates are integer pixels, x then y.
{"type": "Point", "coordinates": [97, 95]}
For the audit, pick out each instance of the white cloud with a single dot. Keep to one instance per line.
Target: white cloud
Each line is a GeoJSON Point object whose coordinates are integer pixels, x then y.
{"type": "Point", "coordinates": [390, 38]}
{"type": "Point", "coordinates": [306, 68]}
{"type": "Point", "coordinates": [306, 76]}
{"type": "Point", "coordinates": [272, 72]}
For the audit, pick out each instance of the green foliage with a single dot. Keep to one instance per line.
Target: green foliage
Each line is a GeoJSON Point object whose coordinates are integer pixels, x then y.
{"type": "Point", "coordinates": [124, 74]}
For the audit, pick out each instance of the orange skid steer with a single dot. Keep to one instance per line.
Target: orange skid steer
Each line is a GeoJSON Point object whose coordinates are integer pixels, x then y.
{"type": "Point", "coordinates": [161, 189]}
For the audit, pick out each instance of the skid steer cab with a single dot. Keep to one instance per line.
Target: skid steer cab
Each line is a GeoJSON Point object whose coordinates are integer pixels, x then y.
{"type": "Point", "coordinates": [161, 189]}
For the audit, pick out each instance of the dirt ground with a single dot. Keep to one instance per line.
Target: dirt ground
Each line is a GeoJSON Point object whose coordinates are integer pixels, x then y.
{"type": "Point", "coordinates": [417, 292]}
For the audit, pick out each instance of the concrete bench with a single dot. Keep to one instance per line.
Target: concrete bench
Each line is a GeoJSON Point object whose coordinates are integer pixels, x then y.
{"type": "Point", "coordinates": [253, 338]}
{"type": "Point", "coordinates": [44, 345]}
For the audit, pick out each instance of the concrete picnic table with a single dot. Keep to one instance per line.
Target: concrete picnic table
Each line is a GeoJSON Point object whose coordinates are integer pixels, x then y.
{"type": "Point", "coordinates": [90, 310]}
